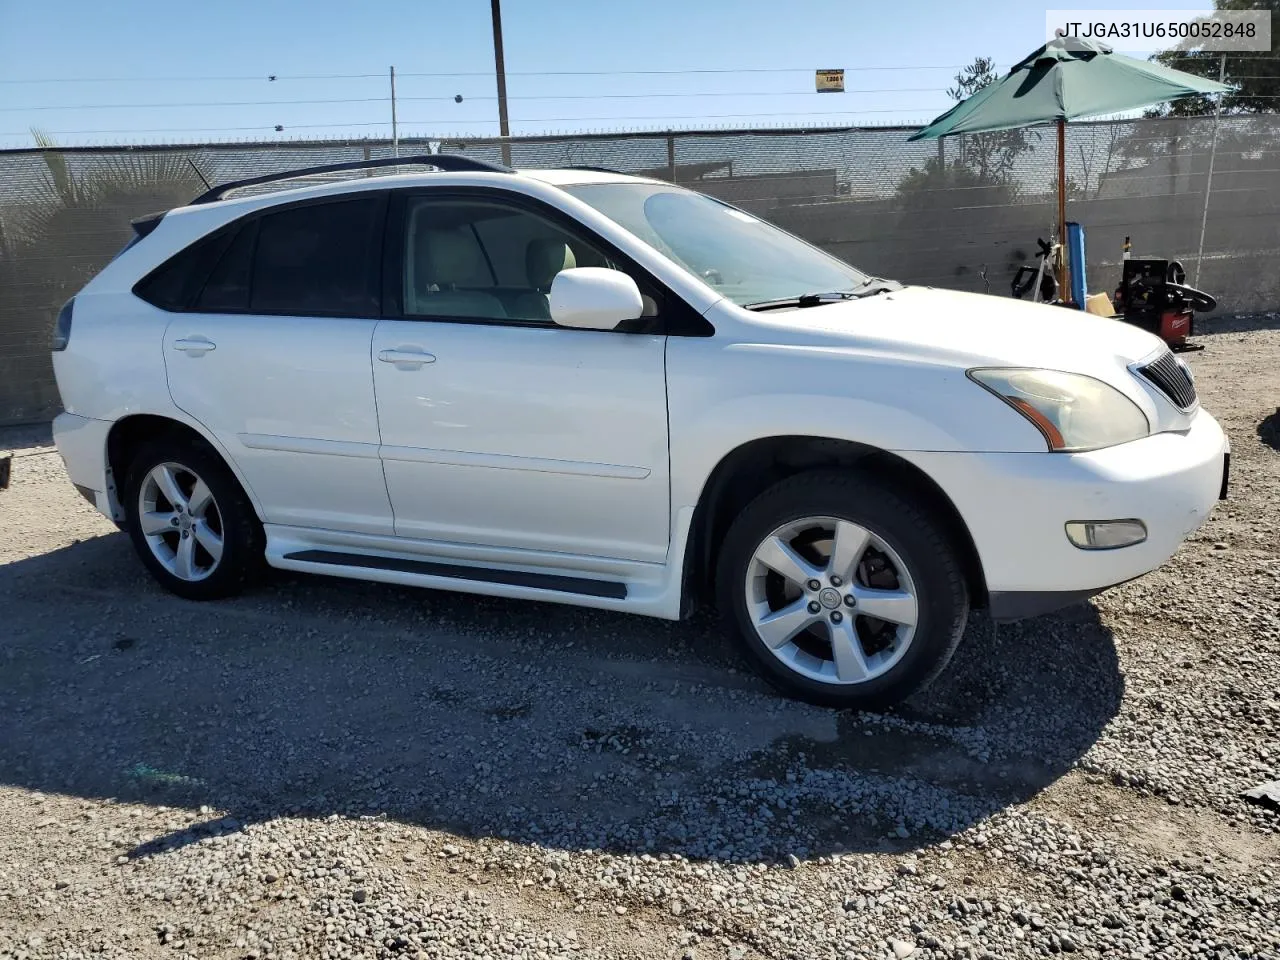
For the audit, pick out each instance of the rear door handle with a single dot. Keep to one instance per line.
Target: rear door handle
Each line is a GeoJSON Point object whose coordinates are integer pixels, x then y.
{"type": "Point", "coordinates": [406, 358]}
{"type": "Point", "coordinates": [195, 345]}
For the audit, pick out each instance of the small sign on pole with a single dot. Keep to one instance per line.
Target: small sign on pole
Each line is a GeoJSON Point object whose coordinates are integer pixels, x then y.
{"type": "Point", "coordinates": [829, 81]}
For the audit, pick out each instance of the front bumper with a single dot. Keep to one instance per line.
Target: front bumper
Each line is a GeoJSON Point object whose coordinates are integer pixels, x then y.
{"type": "Point", "coordinates": [1021, 604]}
{"type": "Point", "coordinates": [1016, 507]}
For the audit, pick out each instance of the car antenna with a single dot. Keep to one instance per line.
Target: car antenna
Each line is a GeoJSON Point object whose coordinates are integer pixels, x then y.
{"type": "Point", "coordinates": [202, 177]}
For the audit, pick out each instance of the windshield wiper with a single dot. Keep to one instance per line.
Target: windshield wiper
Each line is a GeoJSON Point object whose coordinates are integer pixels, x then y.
{"type": "Point", "coordinates": [868, 288]}
{"type": "Point", "coordinates": [804, 300]}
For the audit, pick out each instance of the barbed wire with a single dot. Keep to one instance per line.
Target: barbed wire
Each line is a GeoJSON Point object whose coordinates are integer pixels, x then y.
{"type": "Point", "coordinates": [489, 121]}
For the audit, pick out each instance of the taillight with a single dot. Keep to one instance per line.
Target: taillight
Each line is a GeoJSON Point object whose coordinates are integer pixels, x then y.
{"type": "Point", "coordinates": [62, 326]}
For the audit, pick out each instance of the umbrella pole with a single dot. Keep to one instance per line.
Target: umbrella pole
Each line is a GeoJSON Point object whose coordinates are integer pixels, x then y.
{"type": "Point", "coordinates": [1064, 273]}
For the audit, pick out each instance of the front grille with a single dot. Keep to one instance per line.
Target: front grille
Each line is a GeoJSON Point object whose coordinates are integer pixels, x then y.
{"type": "Point", "coordinates": [1172, 379]}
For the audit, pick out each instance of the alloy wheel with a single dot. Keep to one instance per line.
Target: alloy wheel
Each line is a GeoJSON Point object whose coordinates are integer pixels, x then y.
{"type": "Point", "coordinates": [180, 521]}
{"type": "Point", "coordinates": [831, 600]}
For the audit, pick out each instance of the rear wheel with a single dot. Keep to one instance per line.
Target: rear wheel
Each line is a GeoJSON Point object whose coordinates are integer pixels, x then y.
{"type": "Point", "coordinates": [190, 521]}
{"type": "Point", "coordinates": [843, 592]}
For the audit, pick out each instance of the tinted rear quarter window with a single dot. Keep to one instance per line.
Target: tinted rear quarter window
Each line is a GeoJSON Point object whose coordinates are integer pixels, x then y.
{"type": "Point", "coordinates": [175, 283]}
{"type": "Point", "coordinates": [228, 285]}
{"type": "Point", "coordinates": [318, 259]}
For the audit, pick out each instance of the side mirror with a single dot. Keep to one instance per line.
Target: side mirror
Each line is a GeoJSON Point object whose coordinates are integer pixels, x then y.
{"type": "Point", "coordinates": [594, 298]}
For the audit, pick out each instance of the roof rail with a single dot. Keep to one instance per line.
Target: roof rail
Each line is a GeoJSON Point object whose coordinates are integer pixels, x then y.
{"type": "Point", "coordinates": [594, 169]}
{"type": "Point", "coordinates": [448, 162]}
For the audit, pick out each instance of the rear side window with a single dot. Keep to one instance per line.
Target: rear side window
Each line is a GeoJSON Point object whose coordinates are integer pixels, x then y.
{"type": "Point", "coordinates": [175, 283]}
{"type": "Point", "coordinates": [318, 259]}
{"type": "Point", "coordinates": [321, 259]}
{"type": "Point", "coordinates": [227, 288]}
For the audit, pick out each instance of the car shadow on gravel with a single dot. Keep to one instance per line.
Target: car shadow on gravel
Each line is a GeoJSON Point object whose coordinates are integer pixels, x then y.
{"type": "Point", "coordinates": [1269, 430]}
{"type": "Point", "coordinates": [538, 723]}
{"type": "Point", "coordinates": [1235, 323]}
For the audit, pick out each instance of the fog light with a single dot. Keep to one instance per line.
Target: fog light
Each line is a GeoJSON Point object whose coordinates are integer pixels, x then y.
{"type": "Point", "coordinates": [1106, 534]}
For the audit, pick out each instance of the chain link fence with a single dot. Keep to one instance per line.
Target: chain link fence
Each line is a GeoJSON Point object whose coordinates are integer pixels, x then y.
{"type": "Point", "coordinates": [963, 213]}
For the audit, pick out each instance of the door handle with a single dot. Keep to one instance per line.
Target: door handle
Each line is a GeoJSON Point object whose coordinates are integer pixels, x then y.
{"type": "Point", "coordinates": [194, 345]}
{"type": "Point", "coordinates": [406, 358]}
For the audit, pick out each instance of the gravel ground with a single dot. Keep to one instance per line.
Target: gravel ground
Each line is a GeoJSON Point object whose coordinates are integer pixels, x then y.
{"type": "Point", "coordinates": [325, 769]}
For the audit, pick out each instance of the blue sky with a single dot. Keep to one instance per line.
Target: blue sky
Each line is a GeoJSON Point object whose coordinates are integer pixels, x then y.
{"type": "Point", "coordinates": [184, 72]}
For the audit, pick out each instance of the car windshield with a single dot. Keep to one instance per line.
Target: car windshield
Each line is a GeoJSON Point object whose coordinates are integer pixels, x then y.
{"type": "Point", "coordinates": [744, 258]}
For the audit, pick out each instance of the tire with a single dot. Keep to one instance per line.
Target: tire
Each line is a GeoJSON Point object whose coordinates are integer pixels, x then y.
{"type": "Point", "coordinates": [881, 662]}
{"type": "Point", "coordinates": [162, 534]}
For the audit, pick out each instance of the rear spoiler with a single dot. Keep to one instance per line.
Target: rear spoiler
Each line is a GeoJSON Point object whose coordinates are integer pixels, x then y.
{"type": "Point", "coordinates": [141, 227]}
{"type": "Point", "coordinates": [144, 225]}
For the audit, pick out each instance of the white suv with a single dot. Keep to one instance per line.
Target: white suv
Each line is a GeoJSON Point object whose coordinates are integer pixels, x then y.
{"type": "Point", "coordinates": [579, 386]}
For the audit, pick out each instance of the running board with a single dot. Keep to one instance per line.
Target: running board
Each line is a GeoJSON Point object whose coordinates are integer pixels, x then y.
{"type": "Point", "coordinates": [516, 578]}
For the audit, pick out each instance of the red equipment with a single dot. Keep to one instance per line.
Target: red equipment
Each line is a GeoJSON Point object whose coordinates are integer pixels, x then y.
{"type": "Point", "coordinates": [1153, 295]}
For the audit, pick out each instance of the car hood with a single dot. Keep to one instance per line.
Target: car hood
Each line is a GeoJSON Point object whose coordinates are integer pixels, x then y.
{"type": "Point", "coordinates": [969, 330]}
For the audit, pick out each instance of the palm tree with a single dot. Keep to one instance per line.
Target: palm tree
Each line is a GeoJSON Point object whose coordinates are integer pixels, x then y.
{"type": "Point", "coordinates": [74, 220]}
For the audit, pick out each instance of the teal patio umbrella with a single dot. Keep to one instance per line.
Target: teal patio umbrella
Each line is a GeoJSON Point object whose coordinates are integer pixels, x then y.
{"type": "Point", "coordinates": [1067, 79]}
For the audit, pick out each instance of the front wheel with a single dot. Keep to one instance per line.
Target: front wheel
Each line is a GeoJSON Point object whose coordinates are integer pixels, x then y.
{"type": "Point", "coordinates": [844, 592]}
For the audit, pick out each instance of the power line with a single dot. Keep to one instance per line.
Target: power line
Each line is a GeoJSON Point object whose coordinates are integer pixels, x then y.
{"type": "Point", "coordinates": [206, 103]}
{"type": "Point", "coordinates": [543, 96]}
{"type": "Point", "coordinates": [672, 73]}
{"type": "Point", "coordinates": [703, 116]}
{"type": "Point", "coordinates": [259, 77]}
{"type": "Point", "coordinates": [521, 73]}
{"type": "Point", "coordinates": [714, 93]}
{"type": "Point", "coordinates": [464, 73]}
{"type": "Point", "coordinates": [135, 130]}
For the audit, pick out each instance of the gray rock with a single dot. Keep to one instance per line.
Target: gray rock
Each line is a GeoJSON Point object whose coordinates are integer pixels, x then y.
{"type": "Point", "coordinates": [1265, 795]}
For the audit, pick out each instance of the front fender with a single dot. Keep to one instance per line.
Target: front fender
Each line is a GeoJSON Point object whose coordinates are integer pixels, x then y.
{"type": "Point", "coordinates": [724, 395]}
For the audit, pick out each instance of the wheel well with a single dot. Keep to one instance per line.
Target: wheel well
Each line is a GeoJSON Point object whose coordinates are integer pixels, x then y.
{"type": "Point", "coordinates": [129, 433]}
{"type": "Point", "coordinates": [752, 468]}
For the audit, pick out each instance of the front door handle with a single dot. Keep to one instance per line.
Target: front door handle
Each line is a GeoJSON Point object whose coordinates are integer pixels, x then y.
{"type": "Point", "coordinates": [196, 346]}
{"type": "Point", "coordinates": [406, 358]}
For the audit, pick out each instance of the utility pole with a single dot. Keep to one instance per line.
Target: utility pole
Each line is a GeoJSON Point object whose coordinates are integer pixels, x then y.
{"type": "Point", "coordinates": [395, 131]}
{"type": "Point", "coordinates": [500, 69]}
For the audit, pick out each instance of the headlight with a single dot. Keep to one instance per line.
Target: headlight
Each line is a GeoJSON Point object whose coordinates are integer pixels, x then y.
{"type": "Point", "coordinates": [1074, 412]}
